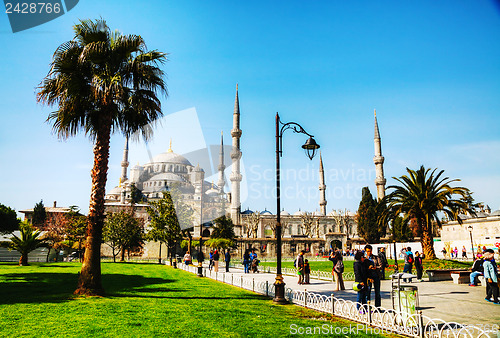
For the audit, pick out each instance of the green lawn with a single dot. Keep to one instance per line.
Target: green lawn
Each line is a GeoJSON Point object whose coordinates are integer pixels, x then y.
{"type": "Point", "coordinates": [143, 300]}
{"type": "Point", "coordinates": [326, 265]}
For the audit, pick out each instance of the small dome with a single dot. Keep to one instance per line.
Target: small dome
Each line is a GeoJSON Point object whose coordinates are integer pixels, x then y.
{"type": "Point", "coordinates": [266, 212]}
{"type": "Point", "coordinates": [115, 191]}
{"type": "Point", "coordinates": [495, 213]}
{"type": "Point", "coordinates": [247, 212]}
{"type": "Point", "coordinates": [299, 213]}
{"type": "Point", "coordinates": [212, 192]}
{"type": "Point", "coordinates": [284, 213]}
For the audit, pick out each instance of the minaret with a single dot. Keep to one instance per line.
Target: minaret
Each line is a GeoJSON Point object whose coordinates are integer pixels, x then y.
{"type": "Point", "coordinates": [221, 167]}
{"type": "Point", "coordinates": [124, 163]}
{"type": "Point", "coordinates": [322, 187]}
{"type": "Point", "coordinates": [235, 157]}
{"type": "Point", "coordinates": [378, 159]}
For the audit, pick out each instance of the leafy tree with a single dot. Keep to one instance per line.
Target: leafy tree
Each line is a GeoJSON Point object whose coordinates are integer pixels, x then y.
{"type": "Point", "coordinates": [75, 230]}
{"type": "Point", "coordinates": [401, 231]}
{"type": "Point", "coordinates": [164, 224]}
{"type": "Point", "coordinates": [101, 82]}
{"type": "Point", "coordinates": [367, 218]}
{"type": "Point", "coordinates": [219, 243]}
{"type": "Point", "coordinates": [124, 231]}
{"type": "Point", "coordinates": [39, 215]}
{"type": "Point", "coordinates": [185, 244]}
{"type": "Point", "coordinates": [8, 220]}
{"type": "Point", "coordinates": [421, 195]}
{"type": "Point", "coordinates": [53, 232]}
{"type": "Point", "coordinates": [223, 228]}
{"type": "Point", "coordinates": [29, 240]}
{"type": "Point", "coordinates": [136, 196]}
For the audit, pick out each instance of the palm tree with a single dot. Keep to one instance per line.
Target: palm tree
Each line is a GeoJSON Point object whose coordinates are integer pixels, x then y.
{"type": "Point", "coordinates": [101, 82]}
{"type": "Point", "coordinates": [420, 197]}
{"type": "Point", "coordinates": [27, 242]}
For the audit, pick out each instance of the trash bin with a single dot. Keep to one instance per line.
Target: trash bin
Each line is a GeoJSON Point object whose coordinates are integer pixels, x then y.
{"type": "Point", "coordinates": [405, 300]}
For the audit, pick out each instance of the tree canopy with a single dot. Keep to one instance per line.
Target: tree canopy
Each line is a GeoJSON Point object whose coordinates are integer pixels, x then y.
{"type": "Point", "coordinates": [123, 231]}
{"type": "Point", "coordinates": [419, 198]}
{"type": "Point", "coordinates": [8, 220]}
{"type": "Point", "coordinates": [102, 81]}
{"type": "Point", "coordinates": [39, 215]}
{"type": "Point", "coordinates": [368, 227]}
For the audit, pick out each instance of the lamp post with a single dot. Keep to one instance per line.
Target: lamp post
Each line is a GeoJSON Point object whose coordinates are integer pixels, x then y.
{"type": "Point", "coordinates": [200, 252]}
{"type": "Point", "coordinates": [310, 148]}
{"type": "Point", "coordinates": [471, 242]}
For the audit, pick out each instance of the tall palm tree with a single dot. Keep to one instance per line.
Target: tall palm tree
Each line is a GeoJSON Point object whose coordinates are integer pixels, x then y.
{"type": "Point", "coordinates": [27, 242]}
{"type": "Point", "coordinates": [101, 82]}
{"type": "Point", "coordinates": [419, 198]}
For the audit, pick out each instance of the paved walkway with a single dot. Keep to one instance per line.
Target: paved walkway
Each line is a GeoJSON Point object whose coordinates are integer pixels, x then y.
{"type": "Point", "coordinates": [444, 300]}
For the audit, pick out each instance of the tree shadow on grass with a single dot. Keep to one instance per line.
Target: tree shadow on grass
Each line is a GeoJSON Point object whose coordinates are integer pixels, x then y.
{"type": "Point", "coordinates": [45, 287]}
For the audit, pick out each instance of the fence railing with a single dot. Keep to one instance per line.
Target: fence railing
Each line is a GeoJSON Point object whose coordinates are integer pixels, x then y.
{"type": "Point", "coordinates": [385, 320]}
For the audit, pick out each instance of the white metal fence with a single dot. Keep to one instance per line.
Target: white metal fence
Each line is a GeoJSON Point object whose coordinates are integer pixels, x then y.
{"type": "Point", "coordinates": [385, 320]}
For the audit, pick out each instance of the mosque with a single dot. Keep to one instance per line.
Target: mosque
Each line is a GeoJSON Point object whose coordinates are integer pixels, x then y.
{"type": "Point", "coordinates": [312, 231]}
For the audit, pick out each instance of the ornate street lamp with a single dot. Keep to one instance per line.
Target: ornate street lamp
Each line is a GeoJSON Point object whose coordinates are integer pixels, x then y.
{"type": "Point", "coordinates": [471, 242]}
{"type": "Point", "coordinates": [310, 148]}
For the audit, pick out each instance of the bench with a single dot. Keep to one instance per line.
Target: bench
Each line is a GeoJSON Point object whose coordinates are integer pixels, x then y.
{"type": "Point", "coordinates": [442, 275]}
{"type": "Point", "coordinates": [460, 277]}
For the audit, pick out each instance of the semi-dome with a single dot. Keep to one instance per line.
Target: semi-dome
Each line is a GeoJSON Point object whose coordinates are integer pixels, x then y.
{"type": "Point", "coordinates": [167, 177]}
{"type": "Point", "coordinates": [212, 192]}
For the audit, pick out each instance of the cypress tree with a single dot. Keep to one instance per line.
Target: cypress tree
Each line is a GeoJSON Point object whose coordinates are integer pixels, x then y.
{"type": "Point", "coordinates": [367, 218]}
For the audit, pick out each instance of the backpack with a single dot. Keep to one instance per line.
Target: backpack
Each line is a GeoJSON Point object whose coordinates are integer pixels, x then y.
{"type": "Point", "coordinates": [410, 258]}
{"type": "Point", "coordinates": [339, 267]}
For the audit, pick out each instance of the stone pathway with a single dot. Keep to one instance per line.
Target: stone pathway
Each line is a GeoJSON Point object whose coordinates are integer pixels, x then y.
{"type": "Point", "coordinates": [444, 300]}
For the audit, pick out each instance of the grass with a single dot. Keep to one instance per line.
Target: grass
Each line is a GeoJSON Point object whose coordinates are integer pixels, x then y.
{"type": "Point", "coordinates": [143, 300]}
{"type": "Point", "coordinates": [326, 265]}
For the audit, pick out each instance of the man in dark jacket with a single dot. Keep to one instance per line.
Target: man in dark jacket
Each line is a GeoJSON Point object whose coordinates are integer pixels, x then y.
{"type": "Point", "coordinates": [476, 270]}
{"type": "Point", "coordinates": [227, 259]}
{"type": "Point", "coordinates": [373, 266]}
{"type": "Point", "coordinates": [361, 277]}
{"type": "Point", "coordinates": [383, 260]}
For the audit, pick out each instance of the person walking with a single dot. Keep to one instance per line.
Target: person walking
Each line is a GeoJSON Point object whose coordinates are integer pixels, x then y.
{"type": "Point", "coordinates": [374, 266]}
{"type": "Point", "coordinates": [385, 264]}
{"type": "Point", "coordinates": [227, 259]}
{"type": "Point", "coordinates": [299, 264]}
{"type": "Point", "coordinates": [216, 260]}
{"type": "Point", "coordinates": [361, 277]}
{"type": "Point", "coordinates": [476, 270]}
{"type": "Point", "coordinates": [337, 270]}
{"type": "Point", "coordinates": [408, 256]}
{"type": "Point", "coordinates": [456, 252]}
{"type": "Point", "coordinates": [490, 276]}
{"type": "Point", "coordinates": [211, 262]}
{"type": "Point", "coordinates": [307, 271]}
{"type": "Point", "coordinates": [464, 252]}
{"type": "Point", "coordinates": [419, 266]}
{"type": "Point", "coordinates": [246, 261]}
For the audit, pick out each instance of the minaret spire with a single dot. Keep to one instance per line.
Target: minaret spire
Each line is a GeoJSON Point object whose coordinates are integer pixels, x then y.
{"type": "Point", "coordinates": [222, 167]}
{"type": "Point", "coordinates": [124, 163]}
{"type": "Point", "coordinates": [322, 187]}
{"type": "Point", "coordinates": [235, 157]}
{"type": "Point", "coordinates": [378, 159]}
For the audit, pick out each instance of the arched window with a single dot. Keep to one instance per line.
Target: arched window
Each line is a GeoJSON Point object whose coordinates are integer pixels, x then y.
{"type": "Point", "coordinates": [324, 229]}
{"type": "Point", "coordinates": [206, 233]}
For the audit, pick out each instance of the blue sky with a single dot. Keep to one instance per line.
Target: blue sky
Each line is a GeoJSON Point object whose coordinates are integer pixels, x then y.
{"type": "Point", "coordinates": [431, 69]}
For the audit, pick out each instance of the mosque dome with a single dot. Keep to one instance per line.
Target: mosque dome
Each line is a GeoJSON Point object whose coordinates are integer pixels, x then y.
{"type": "Point", "coordinates": [284, 213]}
{"type": "Point", "coordinates": [299, 213]}
{"type": "Point", "coordinates": [247, 212]}
{"type": "Point", "coordinates": [266, 212]}
{"type": "Point", "coordinates": [171, 157]}
{"type": "Point", "coordinates": [116, 191]}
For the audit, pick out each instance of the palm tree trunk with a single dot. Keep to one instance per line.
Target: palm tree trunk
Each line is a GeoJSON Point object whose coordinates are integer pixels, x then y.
{"type": "Point", "coordinates": [427, 241]}
{"type": "Point", "coordinates": [159, 255]}
{"type": "Point", "coordinates": [23, 261]}
{"type": "Point", "coordinates": [89, 282]}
